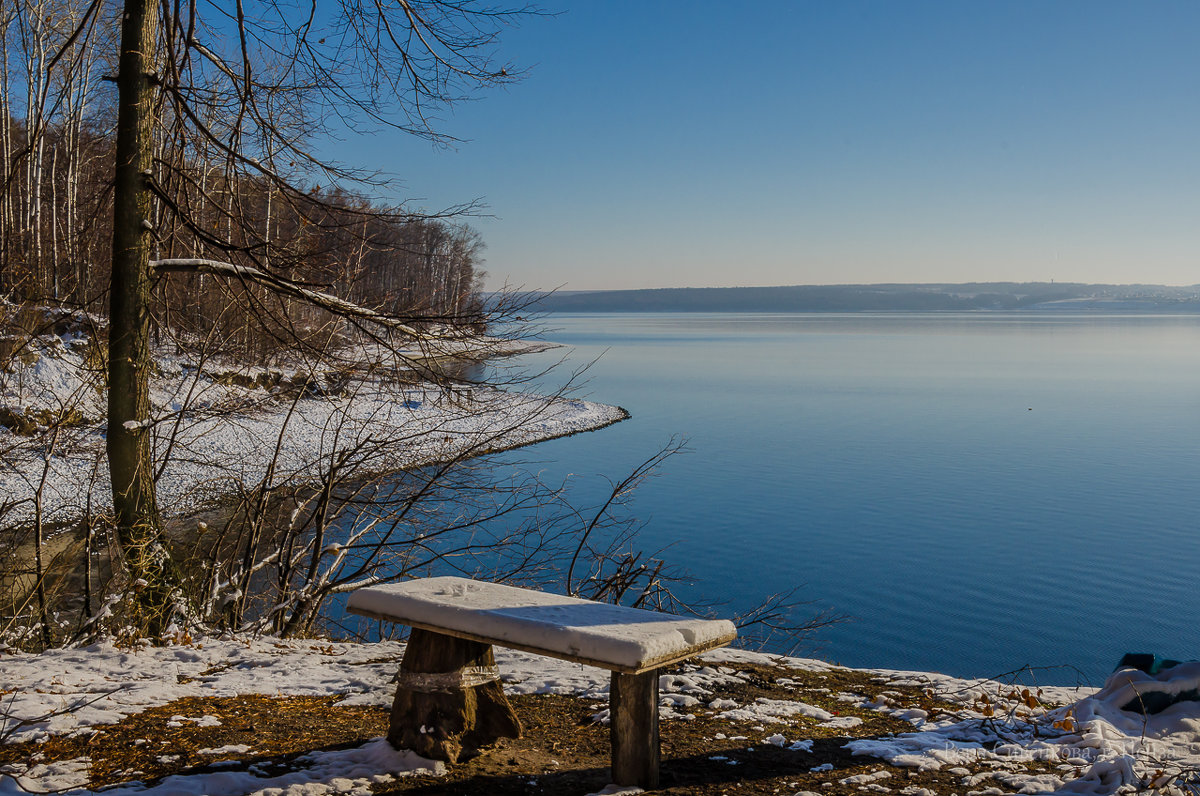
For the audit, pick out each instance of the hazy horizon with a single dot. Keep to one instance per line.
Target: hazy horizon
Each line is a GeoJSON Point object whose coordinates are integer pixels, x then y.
{"type": "Point", "coordinates": [878, 284]}
{"type": "Point", "coordinates": [807, 142]}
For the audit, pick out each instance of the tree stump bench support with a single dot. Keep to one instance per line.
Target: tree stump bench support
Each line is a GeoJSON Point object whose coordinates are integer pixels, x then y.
{"type": "Point", "coordinates": [449, 701]}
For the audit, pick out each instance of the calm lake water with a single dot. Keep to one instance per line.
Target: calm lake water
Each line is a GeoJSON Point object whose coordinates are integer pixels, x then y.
{"type": "Point", "coordinates": [979, 492]}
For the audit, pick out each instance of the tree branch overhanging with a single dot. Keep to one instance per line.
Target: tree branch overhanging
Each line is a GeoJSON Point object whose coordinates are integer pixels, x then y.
{"type": "Point", "coordinates": [287, 287]}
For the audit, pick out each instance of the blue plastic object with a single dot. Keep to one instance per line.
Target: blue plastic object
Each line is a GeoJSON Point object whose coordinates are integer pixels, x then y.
{"type": "Point", "coordinates": [1148, 702]}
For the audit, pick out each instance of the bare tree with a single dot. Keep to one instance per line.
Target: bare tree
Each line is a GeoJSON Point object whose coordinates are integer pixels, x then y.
{"type": "Point", "coordinates": [221, 81]}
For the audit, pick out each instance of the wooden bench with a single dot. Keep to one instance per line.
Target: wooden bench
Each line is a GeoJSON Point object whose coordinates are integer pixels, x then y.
{"type": "Point", "coordinates": [449, 701]}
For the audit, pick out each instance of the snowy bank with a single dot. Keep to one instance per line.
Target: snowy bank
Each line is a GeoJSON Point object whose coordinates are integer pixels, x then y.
{"type": "Point", "coordinates": [1086, 741]}
{"type": "Point", "coordinates": [211, 455]}
{"type": "Point", "coordinates": [218, 429]}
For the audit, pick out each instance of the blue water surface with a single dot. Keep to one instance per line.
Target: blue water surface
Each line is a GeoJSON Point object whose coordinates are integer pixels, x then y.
{"type": "Point", "coordinates": [978, 491]}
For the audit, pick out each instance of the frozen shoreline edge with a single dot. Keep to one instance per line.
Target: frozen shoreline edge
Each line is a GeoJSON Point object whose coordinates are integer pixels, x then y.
{"type": "Point", "coordinates": [206, 476]}
{"type": "Point", "coordinates": [222, 435]}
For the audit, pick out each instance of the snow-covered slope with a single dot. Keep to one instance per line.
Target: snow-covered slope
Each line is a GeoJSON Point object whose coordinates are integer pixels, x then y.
{"type": "Point", "coordinates": [216, 429]}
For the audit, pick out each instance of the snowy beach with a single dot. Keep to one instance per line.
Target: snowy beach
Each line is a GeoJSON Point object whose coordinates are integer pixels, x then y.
{"type": "Point", "coordinates": [981, 737]}
{"type": "Point", "coordinates": [212, 454]}
{"type": "Point", "coordinates": [218, 433]}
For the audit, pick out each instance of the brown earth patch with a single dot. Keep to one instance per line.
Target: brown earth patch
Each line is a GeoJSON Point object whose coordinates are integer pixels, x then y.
{"type": "Point", "coordinates": [563, 750]}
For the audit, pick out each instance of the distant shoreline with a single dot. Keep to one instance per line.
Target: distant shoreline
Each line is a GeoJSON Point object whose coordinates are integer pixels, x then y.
{"type": "Point", "coordinates": [968, 297]}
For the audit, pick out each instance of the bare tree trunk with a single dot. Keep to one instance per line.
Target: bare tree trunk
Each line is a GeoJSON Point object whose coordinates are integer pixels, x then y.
{"type": "Point", "coordinates": [40, 573]}
{"type": "Point", "coordinates": [35, 120]}
{"type": "Point", "coordinates": [55, 243]}
{"type": "Point", "coordinates": [6, 151]}
{"type": "Point", "coordinates": [130, 455]}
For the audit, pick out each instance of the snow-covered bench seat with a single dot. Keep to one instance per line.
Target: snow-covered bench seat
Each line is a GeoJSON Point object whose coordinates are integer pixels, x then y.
{"type": "Point", "coordinates": [456, 613]}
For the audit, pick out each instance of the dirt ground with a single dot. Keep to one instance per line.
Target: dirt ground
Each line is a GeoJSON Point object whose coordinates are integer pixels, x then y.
{"type": "Point", "coordinates": [563, 750]}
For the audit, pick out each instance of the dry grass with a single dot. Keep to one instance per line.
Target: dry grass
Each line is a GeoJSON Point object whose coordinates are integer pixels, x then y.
{"type": "Point", "coordinates": [562, 750]}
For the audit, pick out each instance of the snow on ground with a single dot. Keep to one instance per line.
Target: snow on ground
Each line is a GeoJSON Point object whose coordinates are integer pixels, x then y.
{"type": "Point", "coordinates": [351, 771]}
{"type": "Point", "coordinates": [233, 433]}
{"type": "Point", "coordinates": [70, 691]}
{"type": "Point", "coordinates": [1100, 742]}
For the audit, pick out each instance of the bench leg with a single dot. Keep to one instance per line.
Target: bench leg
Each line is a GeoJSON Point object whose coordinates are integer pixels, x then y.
{"type": "Point", "coordinates": [447, 705]}
{"type": "Point", "coordinates": [633, 719]}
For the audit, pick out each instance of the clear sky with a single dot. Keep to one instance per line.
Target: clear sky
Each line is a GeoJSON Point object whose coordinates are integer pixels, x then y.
{"type": "Point", "coordinates": [707, 143]}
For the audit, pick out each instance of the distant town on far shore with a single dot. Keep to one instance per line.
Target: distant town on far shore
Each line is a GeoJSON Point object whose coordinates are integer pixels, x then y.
{"type": "Point", "coordinates": [969, 296]}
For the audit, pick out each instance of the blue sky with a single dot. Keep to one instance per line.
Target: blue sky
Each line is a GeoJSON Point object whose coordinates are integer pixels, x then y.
{"type": "Point", "coordinates": [700, 143]}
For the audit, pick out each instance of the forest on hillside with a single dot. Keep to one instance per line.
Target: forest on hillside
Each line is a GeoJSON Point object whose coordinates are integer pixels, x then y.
{"type": "Point", "coordinates": [293, 218]}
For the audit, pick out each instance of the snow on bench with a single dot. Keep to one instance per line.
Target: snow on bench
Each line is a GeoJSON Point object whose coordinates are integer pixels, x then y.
{"type": "Point", "coordinates": [630, 640]}
{"type": "Point", "coordinates": [449, 654]}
